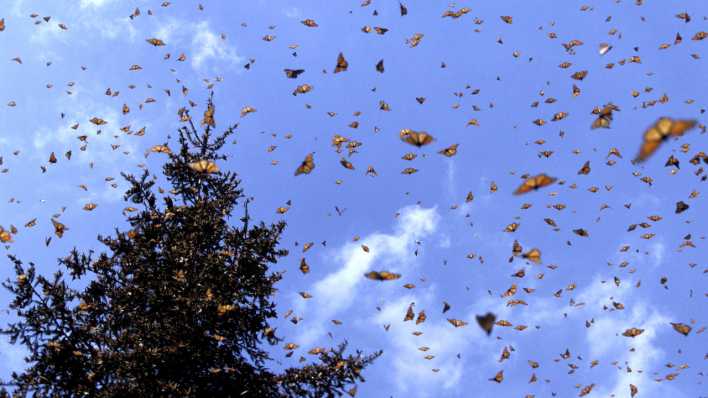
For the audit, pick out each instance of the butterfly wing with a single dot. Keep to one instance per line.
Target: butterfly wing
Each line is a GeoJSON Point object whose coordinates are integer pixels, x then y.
{"type": "Point", "coordinates": [306, 166]}
{"type": "Point", "coordinates": [679, 127]}
{"type": "Point", "coordinates": [652, 140]}
{"type": "Point", "coordinates": [342, 64]}
{"type": "Point", "coordinates": [526, 186]}
{"type": "Point", "coordinates": [486, 322]}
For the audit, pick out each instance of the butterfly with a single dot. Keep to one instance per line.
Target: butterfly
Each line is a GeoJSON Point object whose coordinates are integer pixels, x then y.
{"type": "Point", "coordinates": [382, 276]}
{"type": "Point", "coordinates": [604, 116]}
{"type": "Point", "coordinates": [156, 42]}
{"type": "Point", "coordinates": [416, 138]}
{"type": "Point", "coordinates": [449, 151]}
{"type": "Point", "coordinates": [681, 328]}
{"type": "Point", "coordinates": [660, 131]}
{"type": "Point", "coordinates": [499, 377]}
{"type": "Point", "coordinates": [457, 323]}
{"type": "Point", "coordinates": [380, 66]}
{"type": "Point", "coordinates": [208, 119]}
{"type": "Point", "coordinates": [5, 236]}
{"type": "Point", "coordinates": [342, 64]}
{"type": "Point", "coordinates": [533, 255]}
{"type": "Point", "coordinates": [302, 89]}
{"type": "Point", "coordinates": [310, 23]}
{"type": "Point", "coordinates": [306, 166]}
{"type": "Point", "coordinates": [486, 322]}
{"type": "Point", "coordinates": [534, 183]}
{"type": "Point", "coordinates": [585, 170]}
{"type": "Point", "coordinates": [204, 166]}
{"type": "Point", "coordinates": [632, 332]}
{"type": "Point", "coordinates": [98, 121]}
{"type": "Point", "coordinates": [2, 24]}
{"type": "Point", "coordinates": [59, 228]}
{"type": "Point", "coordinates": [293, 73]}
{"type": "Point", "coordinates": [346, 164]}
{"type": "Point", "coordinates": [160, 149]}
{"type": "Point", "coordinates": [89, 206]}
{"type": "Point", "coordinates": [409, 313]}
{"type": "Point", "coordinates": [246, 110]}
{"type": "Point", "coordinates": [304, 267]}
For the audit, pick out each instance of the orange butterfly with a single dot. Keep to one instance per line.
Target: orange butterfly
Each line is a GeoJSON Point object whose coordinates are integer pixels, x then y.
{"type": "Point", "coordinates": [415, 137]}
{"type": "Point", "coordinates": [156, 42]}
{"type": "Point", "coordinates": [659, 132]}
{"type": "Point", "coordinates": [306, 166]}
{"type": "Point", "coordinates": [604, 116]}
{"type": "Point", "coordinates": [204, 166]}
{"type": "Point", "coordinates": [534, 183]}
{"type": "Point", "coordinates": [382, 276]}
{"type": "Point", "coordinates": [342, 64]}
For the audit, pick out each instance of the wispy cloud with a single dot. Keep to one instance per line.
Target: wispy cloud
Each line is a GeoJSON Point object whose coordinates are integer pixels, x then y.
{"type": "Point", "coordinates": [208, 47]}
{"type": "Point", "coordinates": [337, 291]}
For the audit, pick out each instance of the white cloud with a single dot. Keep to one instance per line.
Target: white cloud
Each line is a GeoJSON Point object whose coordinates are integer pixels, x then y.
{"type": "Point", "coordinates": [412, 373]}
{"type": "Point", "coordinates": [392, 252]}
{"type": "Point", "coordinates": [208, 46]}
{"type": "Point", "coordinates": [94, 3]}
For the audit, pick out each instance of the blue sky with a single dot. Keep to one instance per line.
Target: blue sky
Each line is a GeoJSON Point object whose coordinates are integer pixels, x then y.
{"type": "Point", "coordinates": [395, 214]}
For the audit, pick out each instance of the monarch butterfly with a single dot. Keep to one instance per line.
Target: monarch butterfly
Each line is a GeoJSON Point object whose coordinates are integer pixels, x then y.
{"type": "Point", "coordinates": [160, 149]}
{"type": "Point", "coordinates": [534, 183]}
{"type": "Point", "coordinates": [382, 276]}
{"type": "Point", "coordinates": [457, 322]}
{"type": "Point", "coordinates": [486, 322]}
{"type": "Point", "coordinates": [293, 73]}
{"type": "Point", "coordinates": [89, 206]}
{"type": "Point", "coordinates": [208, 119]}
{"type": "Point", "coordinates": [59, 228]}
{"type": "Point", "coordinates": [585, 170]}
{"type": "Point", "coordinates": [380, 66]}
{"type": "Point", "coordinates": [304, 266]}
{"type": "Point", "coordinates": [246, 110]}
{"type": "Point", "coordinates": [98, 121]}
{"type": "Point", "coordinates": [499, 377]}
{"type": "Point", "coordinates": [204, 166]}
{"type": "Point", "coordinates": [681, 328]}
{"type": "Point", "coordinates": [414, 40]}
{"type": "Point", "coordinates": [2, 24]}
{"type": "Point", "coordinates": [416, 138]}
{"type": "Point", "coordinates": [533, 255]}
{"type": "Point", "coordinates": [449, 151]}
{"type": "Point", "coordinates": [156, 42]}
{"type": "Point", "coordinates": [379, 30]}
{"type": "Point", "coordinates": [310, 23]}
{"type": "Point", "coordinates": [5, 236]}
{"type": "Point", "coordinates": [632, 332]}
{"type": "Point", "coordinates": [660, 131]}
{"type": "Point", "coordinates": [409, 313]}
{"type": "Point", "coordinates": [456, 14]}
{"type": "Point", "coordinates": [421, 318]}
{"type": "Point", "coordinates": [302, 89]}
{"type": "Point", "coordinates": [586, 390]}
{"type": "Point", "coordinates": [579, 75]}
{"type": "Point", "coordinates": [306, 166]}
{"type": "Point", "coordinates": [346, 164]}
{"type": "Point", "coordinates": [342, 64]}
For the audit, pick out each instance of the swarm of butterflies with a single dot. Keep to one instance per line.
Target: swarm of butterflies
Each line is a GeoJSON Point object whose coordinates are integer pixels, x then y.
{"type": "Point", "coordinates": [651, 138]}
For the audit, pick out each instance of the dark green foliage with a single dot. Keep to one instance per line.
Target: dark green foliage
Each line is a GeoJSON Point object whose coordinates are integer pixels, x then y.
{"type": "Point", "coordinates": [178, 306]}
